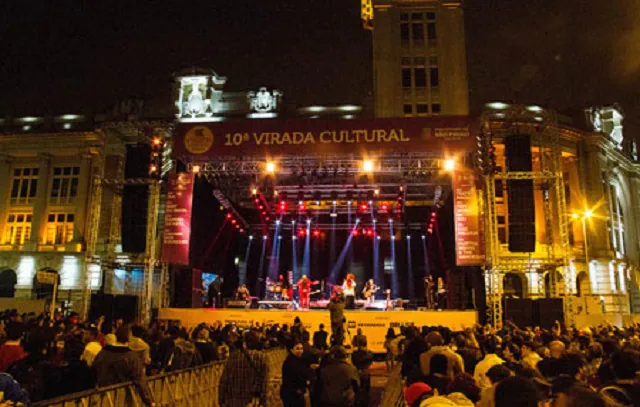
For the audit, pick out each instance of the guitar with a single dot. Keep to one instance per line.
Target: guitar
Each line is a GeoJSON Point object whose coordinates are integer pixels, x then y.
{"type": "Point", "coordinates": [368, 293]}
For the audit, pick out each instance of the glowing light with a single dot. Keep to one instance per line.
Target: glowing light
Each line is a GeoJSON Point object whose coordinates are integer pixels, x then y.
{"type": "Point", "coordinates": [293, 238]}
{"type": "Point", "coordinates": [423, 237]}
{"type": "Point", "coordinates": [449, 164]}
{"type": "Point", "coordinates": [153, 168]}
{"type": "Point", "coordinates": [316, 233]}
{"type": "Point", "coordinates": [264, 237]}
{"type": "Point", "coordinates": [277, 222]}
{"type": "Point", "coordinates": [354, 233]}
{"type": "Point", "coordinates": [279, 237]}
{"type": "Point", "coordinates": [369, 232]}
{"type": "Point", "coordinates": [349, 108]}
{"type": "Point", "coordinates": [348, 116]}
{"type": "Point", "coordinates": [390, 220]}
{"type": "Point", "coordinates": [29, 119]}
{"type": "Point", "coordinates": [66, 126]}
{"type": "Point", "coordinates": [316, 109]}
{"type": "Point", "coordinates": [275, 193]}
{"type": "Point", "coordinates": [575, 216]}
{"type": "Point", "coordinates": [195, 169]}
{"type": "Point", "coordinates": [251, 237]}
{"type": "Point", "coordinates": [364, 207]}
{"type": "Point", "coordinates": [534, 108]}
{"type": "Point", "coordinates": [308, 221]}
{"type": "Point", "coordinates": [236, 261]}
{"type": "Point", "coordinates": [271, 167]}
{"type": "Point", "coordinates": [378, 237]}
{"type": "Point", "coordinates": [333, 215]}
{"type": "Point", "coordinates": [376, 192]}
{"type": "Point", "coordinates": [293, 222]}
{"type": "Point", "coordinates": [300, 203]}
{"type": "Point", "coordinates": [497, 105]}
{"type": "Point", "coordinates": [385, 207]}
{"type": "Point", "coordinates": [70, 116]}
{"type": "Point", "coordinates": [233, 221]}
{"type": "Point", "coordinates": [26, 128]}
{"type": "Point", "coordinates": [156, 141]}
{"type": "Point", "coordinates": [228, 216]}
{"type": "Point", "coordinates": [367, 166]}
{"type": "Point", "coordinates": [408, 237]}
{"type": "Point", "coordinates": [317, 202]}
{"type": "Point", "coordinates": [588, 213]}
{"type": "Point", "coordinates": [335, 202]}
{"type": "Point", "coordinates": [349, 203]}
{"type": "Point", "coordinates": [357, 220]}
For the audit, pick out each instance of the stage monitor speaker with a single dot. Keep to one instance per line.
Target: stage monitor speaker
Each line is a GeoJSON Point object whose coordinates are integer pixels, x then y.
{"type": "Point", "coordinates": [134, 218]}
{"type": "Point", "coordinates": [188, 288]}
{"type": "Point", "coordinates": [549, 310]}
{"type": "Point", "coordinates": [519, 311]}
{"type": "Point", "coordinates": [522, 216]}
{"type": "Point", "coordinates": [101, 304]}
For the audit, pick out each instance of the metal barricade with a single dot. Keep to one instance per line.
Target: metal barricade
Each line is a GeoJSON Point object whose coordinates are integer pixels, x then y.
{"type": "Point", "coordinates": [189, 388]}
{"type": "Point", "coordinates": [393, 392]}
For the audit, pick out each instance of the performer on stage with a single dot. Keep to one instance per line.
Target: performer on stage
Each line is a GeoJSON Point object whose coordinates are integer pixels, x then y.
{"type": "Point", "coordinates": [242, 293]}
{"type": "Point", "coordinates": [369, 290]}
{"type": "Point", "coordinates": [429, 291]}
{"type": "Point", "coordinates": [442, 294]}
{"type": "Point", "coordinates": [304, 291]}
{"type": "Point", "coordinates": [349, 291]}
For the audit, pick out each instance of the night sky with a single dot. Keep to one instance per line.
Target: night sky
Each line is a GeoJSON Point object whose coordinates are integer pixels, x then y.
{"type": "Point", "coordinates": [84, 56]}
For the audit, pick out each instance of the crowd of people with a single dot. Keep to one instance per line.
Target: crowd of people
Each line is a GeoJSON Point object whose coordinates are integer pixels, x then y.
{"type": "Point", "coordinates": [43, 358]}
{"type": "Point", "coordinates": [513, 367]}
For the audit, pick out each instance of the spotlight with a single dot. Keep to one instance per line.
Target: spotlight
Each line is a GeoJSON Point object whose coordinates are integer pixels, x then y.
{"type": "Point", "coordinates": [275, 192]}
{"type": "Point", "coordinates": [293, 222]}
{"type": "Point", "coordinates": [369, 232]}
{"type": "Point", "coordinates": [355, 233]}
{"type": "Point", "coordinates": [449, 165]}
{"type": "Point", "coordinates": [376, 192]}
{"type": "Point", "coordinates": [370, 202]}
{"type": "Point", "coordinates": [333, 215]}
{"type": "Point", "coordinates": [228, 216]}
{"type": "Point", "coordinates": [293, 238]}
{"type": "Point", "coordinates": [157, 141]}
{"type": "Point", "coordinates": [277, 221]}
{"type": "Point", "coordinates": [408, 237]}
{"type": "Point", "coordinates": [390, 220]}
{"type": "Point", "coordinates": [317, 203]}
{"type": "Point", "coordinates": [308, 221]}
{"type": "Point", "coordinates": [270, 167]}
{"type": "Point", "coordinates": [349, 203]}
{"type": "Point", "coordinates": [241, 230]}
{"type": "Point", "coordinates": [378, 237]}
{"type": "Point", "coordinates": [375, 221]}
{"type": "Point", "coordinates": [264, 237]}
{"type": "Point", "coordinates": [423, 237]}
{"type": "Point", "coordinates": [316, 233]}
{"type": "Point", "coordinates": [254, 191]}
{"type": "Point", "coordinates": [335, 202]}
{"type": "Point", "coordinates": [195, 169]}
{"type": "Point", "coordinates": [233, 221]}
{"type": "Point", "coordinates": [367, 166]}
{"type": "Point", "coordinates": [357, 220]}
{"type": "Point", "coordinates": [251, 237]}
{"type": "Point", "coordinates": [300, 203]}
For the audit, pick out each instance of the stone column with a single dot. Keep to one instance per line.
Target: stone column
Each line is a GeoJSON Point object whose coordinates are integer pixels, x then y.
{"type": "Point", "coordinates": [82, 199]}
{"type": "Point", "coordinates": [39, 218]}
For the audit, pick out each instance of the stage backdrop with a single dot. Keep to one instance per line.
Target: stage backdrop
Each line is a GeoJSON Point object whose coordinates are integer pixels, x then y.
{"type": "Point", "coordinates": [177, 219]}
{"type": "Point", "coordinates": [443, 136]}
{"type": "Point", "coordinates": [374, 324]}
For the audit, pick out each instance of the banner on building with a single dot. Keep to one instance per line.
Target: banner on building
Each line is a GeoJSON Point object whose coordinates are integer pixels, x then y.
{"type": "Point", "coordinates": [469, 242]}
{"type": "Point", "coordinates": [445, 135]}
{"type": "Point", "coordinates": [177, 219]}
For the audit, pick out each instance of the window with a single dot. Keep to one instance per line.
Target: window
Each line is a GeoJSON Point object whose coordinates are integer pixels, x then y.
{"type": "Point", "coordinates": [65, 184]}
{"type": "Point", "coordinates": [420, 77]}
{"type": "Point", "coordinates": [617, 221]}
{"type": "Point", "coordinates": [18, 228]}
{"type": "Point", "coordinates": [408, 109]}
{"type": "Point", "coordinates": [431, 32]}
{"type": "Point", "coordinates": [434, 77]}
{"type": "Point", "coordinates": [422, 108]}
{"type": "Point", "coordinates": [502, 235]}
{"type": "Point", "coordinates": [24, 185]}
{"type": "Point", "coordinates": [435, 108]}
{"type": "Point", "coordinates": [499, 189]}
{"type": "Point", "coordinates": [417, 32]}
{"type": "Point", "coordinates": [406, 77]}
{"type": "Point", "coordinates": [404, 32]}
{"type": "Point", "coordinates": [59, 228]}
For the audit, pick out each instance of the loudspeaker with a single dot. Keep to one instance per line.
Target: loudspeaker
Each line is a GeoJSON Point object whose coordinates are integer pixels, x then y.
{"type": "Point", "coordinates": [138, 161]}
{"type": "Point", "coordinates": [548, 310]}
{"type": "Point", "coordinates": [101, 304]}
{"type": "Point", "coordinates": [125, 307]}
{"type": "Point", "coordinates": [187, 288]}
{"type": "Point", "coordinates": [519, 311]}
{"type": "Point", "coordinates": [134, 218]}
{"type": "Point", "coordinates": [521, 202]}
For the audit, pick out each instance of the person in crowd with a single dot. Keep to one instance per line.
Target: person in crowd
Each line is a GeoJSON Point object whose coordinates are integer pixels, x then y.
{"type": "Point", "coordinates": [320, 338]}
{"type": "Point", "coordinates": [244, 377]}
{"type": "Point", "coordinates": [117, 363]}
{"type": "Point", "coordinates": [552, 366]}
{"type": "Point", "coordinates": [71, 375]}
{"type": "Point", "coordinates": [139, 346]}
{"type": "Point", "coordinates": [336, 311]}
{"type": "Point", "coordinates": [517, 392]}
{"type": "Point", "coordinates": [296, 377]}
{"type": "Point", "coordinates": [392, 351]}
{"type": "Point", "coordinates": [569, 392]}
{"type": "Point", "coordinates": [512, 355]}
{"type": "Point", "coordinates": [625, 389]}
{"type": "Point", "coordinates": [12, 350]}
{"type": "Point", "coordinates": [439, 379]}
{"type": "Point", "coordinates": [362, 359]}
{"type": "Point", "coordinates": [184, 355]}
{"type": "Point", "coordinates": [205, 347]}
{"type": "Point", "coordinates": [465, 383]}
{"type": "Point", "coordinates": [92, 346]}
{"type": "Point", "coordinates": [491, 359]}
{"type": "Point", "coordinates": [495, 375]}
{"type": "Point", "coordinates": [12, 392]}
{"type": "Point", "coordinates": [414, 346]}
{"type": "Point", "coordinates": [358, 338]}
{"type": "Point", "coordinates": [34, 370]}
{"type": "Point", "coordinates": [416, 393]}
{"type": "Point", "coordinates": [530, 357]}
{"type": "Point", "coordinates": [339, 380]}
{"type": "Point", "coordinates": [437, 346]}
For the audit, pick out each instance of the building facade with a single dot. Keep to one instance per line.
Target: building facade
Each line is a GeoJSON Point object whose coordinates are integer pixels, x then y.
{"type": "Point", "coordinates": [419, 58]}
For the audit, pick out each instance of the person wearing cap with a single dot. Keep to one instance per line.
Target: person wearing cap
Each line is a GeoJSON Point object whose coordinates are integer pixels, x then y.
{"type": "Point", "coordinates": [416, 393]}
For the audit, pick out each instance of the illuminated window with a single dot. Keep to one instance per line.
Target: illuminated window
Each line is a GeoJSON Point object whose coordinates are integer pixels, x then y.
{"type": "Point", "coordinates": [18, 228]}
{"type": "Point", "coordinates": [59, 228]}
{"type": "Point", "coordinates": [24, 185]}
{"type": "Point", "coordinates": [65, 184]}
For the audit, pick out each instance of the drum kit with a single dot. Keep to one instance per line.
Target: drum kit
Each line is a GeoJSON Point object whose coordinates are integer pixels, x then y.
{"type": "Point", "coordinates": [275, 292]}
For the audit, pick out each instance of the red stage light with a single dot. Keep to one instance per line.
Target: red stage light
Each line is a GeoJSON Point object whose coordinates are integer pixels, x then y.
{"type": "Point", "coordinates": [301, 232]}
{"type": "Point", "coordinates": [261, 207]}
{"type": "Point", "coordinates": [233, 221]}
{"type": "Point", "coordinates": [355, 233]}
{"type": "Point", "coordinates": [316, 233]}
{"type": "Point", "coordinates": [364, 207]}
{"type": "Point", "coordinates": [257, 200]}
{"type": "Point", "coordinates": [369, 232]}
{"type": "Point", "coordinates": [385, 207]}
{"type": "Point", "coordinates": [228, 216]}
{"type": "Point", "coordinates": [241, 230]}
{"type": "Point", "coordinates": [267, 218]}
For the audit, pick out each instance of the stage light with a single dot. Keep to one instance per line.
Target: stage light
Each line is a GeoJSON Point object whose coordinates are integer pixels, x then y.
{"type": "Point", "coordinates": [251, 237]}
{"type": "Point", "coordinates": [302, 232]}
{"type": "Point", "coordinates": [275, 192]}
{"type": "Point", "coordinates": [401, 188]}
{"type": "Point", "coordinates": [153, 168]}
{"type": "Point", "coordinates": [449, 164]}
{"type": "Point", "coordinates": [256, 200]}
{"type": "Point", "coordinates": [390, 220]}
{"type": "Point", "coordinates": [277, 222]}
{"type": "Point", "coordinates": [233, 221]}
{"type": "Point", "coordinates": [156, 141]}
{"type": "Point", "coordinates": [357, 220]}
{"type": "Point", "coordinates": [260, 207]}
{"type": "Point", "coordinates": [241, 230]}
{"type": "Point", "coordinates": [318, 203]}
{"type": "Point", "coordinates": [369, 232]}
{"type": "Point", "coordinates": [349, 203]}
{"type": "Point", "coordinates": [267, 218]}
{"type": "Point", "coordinates": [575, 216]}
{"type": "Point", "coordinates": [335, 202]}
{"type": "Point", "coordinates": [378, 237]}
{"type": "Point", "coordinates": [408, 237]}
{"type": "Point", "coordinates": [264, 237]}
{"type": "Point", "coordinates": [376, 192]}
{"type": "Point", "coordinates": [333, 215]}
{"type": "Point", "coordinates": [228, 216]}
{"type": "Point", "coordinates": [588, 213]}
{"type": "Point", "coordinates": [385, 207]}
{"type": "Point", "coordinates": [236, 261]}
{"type": "Point", "coordinates": [308, 221]}
{"type": "Point", "coordinates": [375, 221]}
{"type": "Point", "coordinates": [364, 207]}
{"type": "Point", "coordinates": [279, 237]}
{"type": "Point", "coordinates": [293, 238]}
{"type": "Point", "coordinates": [293, 222]}
{"type": "Point", "coordinates": [393, 238]}
{"type": "Point", "coordinates": [355, 233]}
{"type": "Point", "coordinates": [367, 166]}
{"type": "Point", "coordinates": [195, 169]}
{"type": "Point", "coordinates": [423, 237]}
{"type": "Point", "coordinates": [370, 202]}
{"type": "Point", "coordinates": [316, 233]}
{"type": "Point", "coordinates": [271, 167]}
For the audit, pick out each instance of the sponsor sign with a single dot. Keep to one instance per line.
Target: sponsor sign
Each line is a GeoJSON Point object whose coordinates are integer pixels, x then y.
{"type": "Point", "coordinates": [177, 219]}
{"type": "Point", "coordinates": [439, 135]}
{"type": "Point", "coordinates": [469, 247]}
{"type": "Point", "coordinates": [374, 324]}
{"type": "Point", "coordinates": [43, 277]}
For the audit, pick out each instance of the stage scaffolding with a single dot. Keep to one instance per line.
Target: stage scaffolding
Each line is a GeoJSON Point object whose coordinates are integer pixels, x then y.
{"type": "Point", "coordinates": [547, 174]}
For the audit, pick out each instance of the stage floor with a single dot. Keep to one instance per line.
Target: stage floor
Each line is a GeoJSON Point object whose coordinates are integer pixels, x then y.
{"type": "Point", "coordinates": [374, 324]}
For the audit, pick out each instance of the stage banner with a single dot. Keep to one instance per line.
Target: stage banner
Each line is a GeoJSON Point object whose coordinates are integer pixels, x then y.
{"type": "Point", "coordinates": [441, 135]}
{"type": "Point", "coordinates": [469, 245]}
{"type": "Point", "coordinates": [177, 219]}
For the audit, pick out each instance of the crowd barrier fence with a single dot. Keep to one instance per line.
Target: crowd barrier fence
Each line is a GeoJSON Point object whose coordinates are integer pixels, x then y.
{"type": "Point", "coordinates": [186, 388]}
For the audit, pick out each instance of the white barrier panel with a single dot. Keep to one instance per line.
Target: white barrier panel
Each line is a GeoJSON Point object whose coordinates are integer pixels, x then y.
{"type": "Point", "coordinates": [374, 324]}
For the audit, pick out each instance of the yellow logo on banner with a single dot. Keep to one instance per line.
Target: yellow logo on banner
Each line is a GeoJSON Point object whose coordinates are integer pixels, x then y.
{"type": "Point", "coordinates": [198, 140]}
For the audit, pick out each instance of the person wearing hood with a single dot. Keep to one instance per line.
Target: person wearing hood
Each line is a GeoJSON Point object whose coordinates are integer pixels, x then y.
{"type": "Point", "coordinates": [139, 346]}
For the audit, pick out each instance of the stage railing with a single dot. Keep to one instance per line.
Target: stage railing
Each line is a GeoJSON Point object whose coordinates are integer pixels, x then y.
{"type": "Point", "coordinates": [393, 395]}
{"type": "Point", "coordinates": [190, 387]}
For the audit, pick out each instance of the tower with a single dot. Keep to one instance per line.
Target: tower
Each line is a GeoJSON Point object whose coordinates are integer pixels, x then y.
{"type": "Point", "coordinates": [419, 58]}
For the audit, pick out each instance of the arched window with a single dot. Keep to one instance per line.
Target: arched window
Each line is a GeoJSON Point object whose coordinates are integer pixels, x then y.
{"type": "Point", "coordinates": [617, 220]}
{"type": "Point", "coordinates": [559, 282]}
{"type": "Point", "coordinates": [583, 286]}
{"type": "Point", "coordinates": [513, 286]}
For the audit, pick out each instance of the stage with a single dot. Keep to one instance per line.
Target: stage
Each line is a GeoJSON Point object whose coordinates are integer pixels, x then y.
{"type": "Point", "coordinates": [374, 324]}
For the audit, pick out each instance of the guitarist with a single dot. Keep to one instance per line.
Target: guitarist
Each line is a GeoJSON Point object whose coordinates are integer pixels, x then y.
{"type": "Point", "coordinates": [369, 290]}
